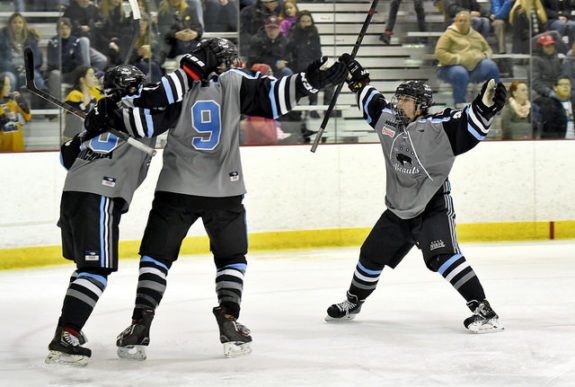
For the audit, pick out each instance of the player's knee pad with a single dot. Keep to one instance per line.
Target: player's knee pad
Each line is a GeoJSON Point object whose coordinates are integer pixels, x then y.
{"type": "Point", "coordinates": [435, 262]}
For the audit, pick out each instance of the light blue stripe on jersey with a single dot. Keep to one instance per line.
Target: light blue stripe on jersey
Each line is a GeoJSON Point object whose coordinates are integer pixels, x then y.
{"type": "Point", "coordinates": [239, 266]}
{"type": "Point", "coordinates": [367, 104]}
{"type": "Point", "coordinates": [471, 129]}
{"type": "Point", "coordinates": [97, 277]}
{"type": "Point", "coordinates": [273, 99]}
{"type": "Point", "coordinates": [448, 263]}
{"type": "Point", "coordinates": [372, 272]}
{"type": "Point", "coordinates": [102, 228]}
{"type": "Point", "coordinates": [149, 123]}
{"type": "Point", "coordinates": [168, 89]}
{"type": "Point", "coordinates": [146, 258]}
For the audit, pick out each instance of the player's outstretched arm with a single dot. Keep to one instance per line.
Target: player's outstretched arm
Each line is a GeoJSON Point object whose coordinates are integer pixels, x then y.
{"type": "Point", "coordinates": [369, 100]}
{"type": "Point", "coordinates": [270, 97]}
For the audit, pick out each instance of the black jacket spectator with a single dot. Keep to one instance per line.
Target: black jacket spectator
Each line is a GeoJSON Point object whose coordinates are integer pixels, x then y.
{"type": "Point", "coordinates": [252, 19]}
{"type": "Point", "coordinates": [170, 22]}
{"type": "Point", "coordinates": [89, 16]}
{"type": "Point", "coordinates": [546, 67]}
{"type": "Point", "coordinates": [304, 44]}
{"type": "Point", "coordinates": [268, 51]}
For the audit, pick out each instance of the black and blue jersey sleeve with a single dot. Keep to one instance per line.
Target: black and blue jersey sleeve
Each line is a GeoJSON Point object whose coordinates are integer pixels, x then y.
{"type": "Point", "coordinates": [270, 97]}
{"type": "Point", "coordinates": [464, 128]}
{"type": "Point", "coordinates": [371, 103]}
{"type": "Point", "coordinates": [144, 122]}
{"type": "Point", "coordinates": [169, 90]}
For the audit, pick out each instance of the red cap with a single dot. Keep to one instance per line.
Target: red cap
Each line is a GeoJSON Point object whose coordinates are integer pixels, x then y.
{"type": "Point", "coordinates": [272, 22]}
{"type": "Point", "coordinates": [546, 39]}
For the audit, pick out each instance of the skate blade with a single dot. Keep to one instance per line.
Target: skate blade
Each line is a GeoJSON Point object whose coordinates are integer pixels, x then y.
{"type": "Point", "coordinates": [330, 319]}
{"type": "Point", "coordinates": [56, 357]}
{"type": "Point", "coordinates": [490, 327]}
{"type": "Point", "coordinates": [235, 349]}
{"type": "Point", "coordinates": [132, 352]}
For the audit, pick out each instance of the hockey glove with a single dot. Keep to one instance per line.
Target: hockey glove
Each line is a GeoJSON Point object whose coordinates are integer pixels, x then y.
{"type": "Point", "coordinates": [491, 98]}
{"type": "Point", "coordinates": [99, 118]}
{"type": "Point", "coordinates": [319, 79]}
{"type": "Point", "coordinates": [199, 64]}
{"type": "Point", "coordinates": [359, 76]}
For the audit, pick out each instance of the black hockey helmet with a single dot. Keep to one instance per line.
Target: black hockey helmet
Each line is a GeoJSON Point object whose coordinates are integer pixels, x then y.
{"type": "Point", "coordinates": [419, 91]}
{"type": "Point", "coordinates": [225, 51]}
{"type": "Point", "coordinates": [123, 80]}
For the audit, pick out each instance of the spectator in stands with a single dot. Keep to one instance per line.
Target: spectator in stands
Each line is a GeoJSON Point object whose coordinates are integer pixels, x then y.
{"type": "Point", "coordinates": [146, 55]}
{"type": "Point", "coordinates": [547, 66]}
{"type": "Point", "coordinates": [558, 15]}
{"type": "Point", "coordinates": [557, 111]}
{"type": "Point", "coordinates": [500, 10]}
{"type": "Point", "coordinates": [86, 21]}
{"type": "Point", "coordinates": [304, 47]}
{"type": "Point", "coordinates": [179, 26]}
{"type": "Point", "coordinates": [252, 19]}
{"type": "Point", "coordinates": [221, 16]}
{"type": "Point", "coordinates": [64, 58]}
{"type": "Point", "coordinates": [115, 32]}
{"type": "Point", "coordinates": [527, 19]}
{"type": "Point", "coordinates": [84, 96]}
{"type": "Point", "coordinates": [15, 37]}
{"type": "Point", "coordinates": [463, 56]}
{"type": "Point", "coordinates": [519, 114]}
{"type": "Point", "coordinates": [480, 18]}
{"type": "Point", "coordinates": [568, 67]}
{"type": "Point", "coordinates": [271, 47]}
{"type": "Point", "coordinates": [14, 111]}
{"type": "Point", "coordinates": [393, 8]}
{"type": "Point", "coordinates": [288, 16]}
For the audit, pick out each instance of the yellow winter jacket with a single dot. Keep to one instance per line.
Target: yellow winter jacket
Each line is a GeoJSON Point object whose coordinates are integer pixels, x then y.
{"type": "Point", "coordinates": [455, 48]}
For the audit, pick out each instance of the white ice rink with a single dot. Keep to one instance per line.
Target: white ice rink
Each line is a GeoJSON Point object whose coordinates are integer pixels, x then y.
{"type": "Point", "coordinates": [409, 333]}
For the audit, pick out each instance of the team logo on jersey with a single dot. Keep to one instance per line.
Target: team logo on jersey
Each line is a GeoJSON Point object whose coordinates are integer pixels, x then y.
{"type": "Point", "coordinates": [388, 132]}
{"type": "Point", "coordinates": [434, 245]}
{"type": "Point", "coordinates": [109, 181]}
{"type": "Point", "coordinates": [91, 256]}
{"type": "Point", "coordinates": [234, 176]}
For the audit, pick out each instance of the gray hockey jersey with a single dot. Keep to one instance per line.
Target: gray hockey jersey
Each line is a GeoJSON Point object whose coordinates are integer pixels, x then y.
{"type": "Point", "coordinates": [419, 157]}
{"type": "Point", "coordinates": [106, 165]}
{"type": "Point", "coordinates": [202, 156]}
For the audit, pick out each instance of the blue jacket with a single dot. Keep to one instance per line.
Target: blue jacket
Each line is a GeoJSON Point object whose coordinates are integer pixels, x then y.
{"type": "Point", "coordinates": [501, 8]}
{"type": "Point", "coordinates": [70, 54]}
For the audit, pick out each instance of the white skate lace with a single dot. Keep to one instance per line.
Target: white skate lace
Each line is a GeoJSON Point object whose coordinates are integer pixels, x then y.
{"type": "Point", "coordinates": [240, 328]}
{"type": "Point", "coordinates": [346, 306]}
{"type": "Point", "coordinates": [70, 339]}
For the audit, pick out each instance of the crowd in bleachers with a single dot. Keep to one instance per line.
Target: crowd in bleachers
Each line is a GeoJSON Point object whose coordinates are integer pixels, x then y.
{"type": "Point", "coordinates": [281, 35]}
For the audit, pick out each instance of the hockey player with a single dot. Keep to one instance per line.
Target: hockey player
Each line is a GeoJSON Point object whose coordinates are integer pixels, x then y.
{"type": "Point", "coordinates": [103, 173]}
{"type": "Point", "coordinates": [202, 175]}
{"type": "Point", "coordinates": [419, 151]}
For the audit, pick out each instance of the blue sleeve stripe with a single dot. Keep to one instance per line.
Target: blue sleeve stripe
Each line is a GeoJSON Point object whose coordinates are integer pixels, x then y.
{"type": "Point", "coordinates": [273, 99]}
{"type": "Point", "coordinates": [102, 231]}
{"type": "Point", "coordinates": [146, 258]}
{"type": "Point", "coordinates": [365, 106]}
{"type": "Point", "coordinates": [168, 90]}
{"type": "Point", "coordinates": [149, 123]}
{"type": "Point", "coordinates": [97, 277]}
{"type": "Point", "coordinates": [448, 263]}
{"type": "Point", "coordinates": [474, 132]}
{"type": "Point", "coordinates": [367, 271]}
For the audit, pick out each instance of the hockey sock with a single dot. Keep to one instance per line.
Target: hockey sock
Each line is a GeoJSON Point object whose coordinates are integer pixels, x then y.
{"type": "Point", "coordinates": [229, 287]}
{"type": "Point", "coordinates": [83, 293]}
{"type": "Point", "coordinates": [151, 285]}
{"type": "Point", "coordinates": [364, 280]}
{"type": "Point", "coordinates": [457, 271]}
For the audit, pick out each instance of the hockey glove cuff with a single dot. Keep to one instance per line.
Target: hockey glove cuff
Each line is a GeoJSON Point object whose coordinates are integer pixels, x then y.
{"type": "Point", "coordinates": [358, 76]}
{"type": "Point", "coordinates": [491, 98]}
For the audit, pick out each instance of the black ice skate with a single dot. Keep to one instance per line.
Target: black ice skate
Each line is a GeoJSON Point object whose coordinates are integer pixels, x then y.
{"type": "Point", "coordinates": [132, 342]}
{"type": "Point", "coordinates": [65, 349]}
{"type": "Point", "coordinates": [346, 310]}
{"type": "Point", "coordinates": [234, 336]}
{"type": "Point", "coordinates": [484, 319]}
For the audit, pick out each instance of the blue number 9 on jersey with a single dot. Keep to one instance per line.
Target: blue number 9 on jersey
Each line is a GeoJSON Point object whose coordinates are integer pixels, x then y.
{"type": "Point", "coordinates": [206, 120]}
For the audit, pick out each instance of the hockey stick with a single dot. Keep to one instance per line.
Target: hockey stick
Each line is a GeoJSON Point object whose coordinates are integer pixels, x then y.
{"type": "Point", "coordinates": [339, 87]}
{"type": "Point", "coordinates": [30, 85]}
{"type": "Point", "coordinates": [136, 24]}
